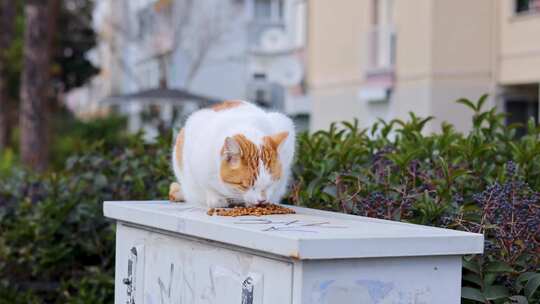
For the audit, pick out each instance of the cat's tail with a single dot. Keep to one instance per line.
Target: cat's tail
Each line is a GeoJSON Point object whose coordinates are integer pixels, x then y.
{"type": "Point", "coordinates": [175, 189]}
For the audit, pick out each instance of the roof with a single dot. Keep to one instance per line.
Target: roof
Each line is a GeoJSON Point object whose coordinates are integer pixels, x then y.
{"type": "Point", "coordinates": [161, 95]}
{"type": "Point", "coordinates": [308, 234]}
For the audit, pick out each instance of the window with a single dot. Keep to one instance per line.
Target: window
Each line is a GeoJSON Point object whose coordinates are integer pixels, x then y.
{"type": "Point", "coordinates": [527, 6]}
{"type": "Point", "coordinates": [520, 111]}
{"type": "Point", "coordinates": [264, 15]}
{"type": "Point", "coordinates": [260, 97]}
{"type": "Point", "coordinates": [259, 76]}
{"type": "Point", "coordinates": [381, 39]}
{"type": "Point", "coordinates": [268, 10]}
{"type": "Point", "coordinates": [263, 9]}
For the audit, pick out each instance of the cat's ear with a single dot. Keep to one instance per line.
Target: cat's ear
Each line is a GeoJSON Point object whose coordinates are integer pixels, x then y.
{"type": "Point", "coordinates": [231, 151]}
{"type": "Point", "coordinates": [277, 139]}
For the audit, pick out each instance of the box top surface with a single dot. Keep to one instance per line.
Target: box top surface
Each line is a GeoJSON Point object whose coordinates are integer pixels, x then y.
{"type": "Point", "coordinates": [308, 234]}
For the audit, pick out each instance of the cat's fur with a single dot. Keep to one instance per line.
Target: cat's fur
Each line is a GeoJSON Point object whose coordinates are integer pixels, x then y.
{"type": "Point", "coordinates": [233, 151]}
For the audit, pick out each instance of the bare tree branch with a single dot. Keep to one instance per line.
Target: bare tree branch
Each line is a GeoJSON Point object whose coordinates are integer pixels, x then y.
{"type": "Point", "coordinates": [182, 11]}
{"type": "Point", "coordinates": [207, 32]}
{"type": "Point", "coordinates": [195, 27]}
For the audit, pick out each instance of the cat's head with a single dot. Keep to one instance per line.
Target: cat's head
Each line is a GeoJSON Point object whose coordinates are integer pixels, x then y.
{"type": "Point", "coordinates": [252, 171]}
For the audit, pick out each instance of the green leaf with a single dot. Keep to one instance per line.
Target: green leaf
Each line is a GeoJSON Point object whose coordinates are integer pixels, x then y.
{"type": "Point", "coordinates": [518, 300]}
{"type": "Point", "coordinates": [489, 278]}
{"type": "Point", "coordinates": [467, 103]}
{"type": "Point", "coordinates": [526, 276]}
{"type": "Point", "coordinates": [532, 285]}
{"type": "Point", "coordinates": [101, 181]}
{"type": "Point", "coordinates": [496, 292]}
{"type": "Point", "coordinates": [330, 190]}
{"type": "Point", "coordinates": [531, 124]}
{"type": "Point", "coordinates": [313, 186]}
{"type": "Point", "coordinates": [481, 102]}
{"type": "Point", "coordinates": [471, 266]}
{"type": "Point", "coordinates": [498, 267]}
{"type": "Point", "coordinates": [473, 278]}
{"type": "Point", "coordinates": [472, 294]}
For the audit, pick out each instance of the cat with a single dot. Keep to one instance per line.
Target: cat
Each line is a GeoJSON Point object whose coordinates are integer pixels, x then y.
{"type": "Point", "coordinates": [233, 152]}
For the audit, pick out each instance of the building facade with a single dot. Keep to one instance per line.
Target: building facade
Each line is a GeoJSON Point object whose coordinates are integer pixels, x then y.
{"type": "Point", "coordinates": [370, 59]}
{"type": "Point", "coordinates": [224, 49]}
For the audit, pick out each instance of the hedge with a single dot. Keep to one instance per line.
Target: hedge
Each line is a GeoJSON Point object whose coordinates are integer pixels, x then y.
{"type": "Point", "coordinates": [56, 246]}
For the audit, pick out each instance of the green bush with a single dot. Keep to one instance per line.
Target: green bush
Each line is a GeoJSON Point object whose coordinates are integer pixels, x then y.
{"type": "Point", "coordinates": [72, 136]}
{"type": "Point", "coordinates": [480, 182]}
{"type": "Point", "coordinates": [55, 245]}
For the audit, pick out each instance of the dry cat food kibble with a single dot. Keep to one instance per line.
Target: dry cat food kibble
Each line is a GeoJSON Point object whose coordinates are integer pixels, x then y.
{"type": "Point", "coordinates": [263, 209]}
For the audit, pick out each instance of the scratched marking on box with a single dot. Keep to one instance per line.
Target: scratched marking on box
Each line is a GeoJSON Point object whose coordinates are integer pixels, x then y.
{"type": "Point", "coordinates": [292, 225]}
{"type": "Point", "coordinates": [131, 279]}
{"type": "Point", "coordinates": [182, 209]}
{"type": "Point", "coordinates": [134, 274]}
{"type": "Point", "coordinates": [247, 291]}
{"type": "Point", "coordinates": [229, 286]}
{"type": "Point", "coordinates": [366, 291]}
{"type": "Point", "coordinates": [172, 278]}
{"type": "Point", "coordinates": [165, 292]}
{"type": "Point", "coordinates": [289, 226]}
{"type": "Point", "coordinates": [165, 279]}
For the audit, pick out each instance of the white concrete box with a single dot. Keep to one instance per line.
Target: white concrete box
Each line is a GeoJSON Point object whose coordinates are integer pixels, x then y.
{"type": "Point", "coordinates": [176, 253]}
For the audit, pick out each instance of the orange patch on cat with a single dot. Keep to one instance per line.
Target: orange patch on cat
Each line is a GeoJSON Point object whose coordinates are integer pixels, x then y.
{"type": "Point", "coordinates": [179, 147]}
{"type": "Point", "coordinates": [226, 105]}
{"type": "Point", "coordinates": [270, 155]}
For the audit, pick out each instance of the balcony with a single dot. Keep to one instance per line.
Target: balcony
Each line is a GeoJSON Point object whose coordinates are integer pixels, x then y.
{"type": "Point", "coordinates": [381, 51]}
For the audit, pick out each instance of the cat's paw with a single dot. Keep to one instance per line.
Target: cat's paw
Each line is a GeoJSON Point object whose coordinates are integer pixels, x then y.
{"type": "Point", "coordinates": [175, 193]}
{"type": "Point", "coordinates": [215, 201]}
{"type": "Point", "coordinates": [251, 204]}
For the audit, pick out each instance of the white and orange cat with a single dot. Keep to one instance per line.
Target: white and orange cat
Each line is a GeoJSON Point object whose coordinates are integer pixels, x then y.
{"type": "Point", "coordinates": [233, 152]}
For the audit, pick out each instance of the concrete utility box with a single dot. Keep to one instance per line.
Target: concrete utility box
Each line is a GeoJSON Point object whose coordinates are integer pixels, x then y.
{"type": "Point", "coordinates": [176, 253]}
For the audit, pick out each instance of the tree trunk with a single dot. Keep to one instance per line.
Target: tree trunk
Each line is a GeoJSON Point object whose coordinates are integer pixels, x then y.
{"type": "Point", "coordinates": [52, 26]}
{"type": "Point", "coordinates": [7, 24]}
{"type": "Point", "coordinates": [34, 116]}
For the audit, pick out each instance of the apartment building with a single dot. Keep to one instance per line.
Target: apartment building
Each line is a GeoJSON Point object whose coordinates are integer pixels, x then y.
{"type": "Point", "coordinates": [383, 58]}
{"type": "Point", "coordinates": [224, 49]}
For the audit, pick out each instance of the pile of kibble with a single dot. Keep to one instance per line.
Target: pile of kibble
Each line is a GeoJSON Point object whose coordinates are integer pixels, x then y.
{"type": "Point", "coordinates": [259, 210]}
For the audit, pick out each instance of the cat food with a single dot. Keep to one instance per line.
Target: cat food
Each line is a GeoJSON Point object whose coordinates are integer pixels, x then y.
{"type": "Point", "coordinates": [262, 209]}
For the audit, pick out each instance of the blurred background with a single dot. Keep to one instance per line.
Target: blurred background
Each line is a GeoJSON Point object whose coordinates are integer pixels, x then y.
{"type": "Point", "coordinates": [318, 61]}
{"type": "Point", "coordinates": [92, 92]}
{"type": "Point", "coordinates": [155, 61]}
